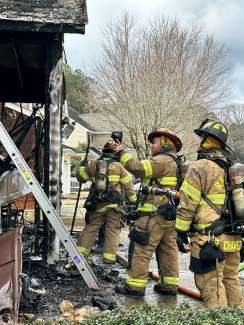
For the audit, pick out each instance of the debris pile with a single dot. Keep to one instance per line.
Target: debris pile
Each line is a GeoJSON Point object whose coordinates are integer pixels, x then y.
{"type": "Point", "coordinates": [58, 293]}
{"type": "Point", "coordinates": [70, 313]}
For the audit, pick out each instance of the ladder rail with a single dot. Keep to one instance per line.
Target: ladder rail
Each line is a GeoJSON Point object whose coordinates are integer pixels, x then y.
{"type": "Point", "coordinates": [48, 209]}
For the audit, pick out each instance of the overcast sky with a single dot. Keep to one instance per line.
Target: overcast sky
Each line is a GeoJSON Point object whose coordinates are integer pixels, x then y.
{"type": "Point", "coordinates": [223, 18]}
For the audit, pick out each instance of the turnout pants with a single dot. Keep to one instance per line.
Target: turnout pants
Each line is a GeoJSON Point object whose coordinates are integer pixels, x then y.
{"type": "Point", "coordinates": [112, 220]}
{"type": "Point", "coordinates": [221, 287]}
{"type": "Point", "coordinates": [162, 240]}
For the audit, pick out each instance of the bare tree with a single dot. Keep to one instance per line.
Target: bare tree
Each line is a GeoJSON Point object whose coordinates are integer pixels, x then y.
{"type": "Point", "coordinates": [159, 75]}
{"type": "Point", "coordinates": [233, 116]}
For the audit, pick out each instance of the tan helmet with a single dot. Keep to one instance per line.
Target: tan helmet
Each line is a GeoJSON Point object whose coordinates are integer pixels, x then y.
{"type": "Point", "coordinates": [109, 146]}
{"type": "Point", "coordinates": [159, 132]}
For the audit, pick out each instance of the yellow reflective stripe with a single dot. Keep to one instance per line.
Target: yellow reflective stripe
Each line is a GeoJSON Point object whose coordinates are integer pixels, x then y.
{"type": "Point", "coordinates": [147, 167]}
{"type": "Point", "coordinates": [169, 225]}
{"type": "Point", "coordinates": [107, 207]}
{"type": "Point", "coordinates": [147, 207]}
{"type": "Point", "coordinates": [232, 245]}
{"type": "Point", "coordinates": [84, 250]}
{"type": "Point", "coordinates": [83, 173]}
{"type": "Point", "coordinates": [125, 158]}
{"type": "Point", "coordinates": [114, 178]}
{"type": "Point", "coordinates": [140, 283]}
{"type": "Point", "coordinates": [201, 226]}
{"type": "Point", "coordinates": [125, 180]}
{"type": "Point", "coordinates": [182, 224]}
{"type": "Point", "coordinates": [109, 256]}
{"type": "Point", "coordinates": [216, 198]}
{"type": "Point", "coordinates": [219, 127]}
{"type": "Point", "coordinates": [132, 198]}
{"type": "Point", "coordinates": [216, 126]}
{"type": "Point", "coordinates": [167, 180]}
{"type": "Point", "coordinates": [190, 190]}
{"type": "Point", "coordinates": [170, 280]}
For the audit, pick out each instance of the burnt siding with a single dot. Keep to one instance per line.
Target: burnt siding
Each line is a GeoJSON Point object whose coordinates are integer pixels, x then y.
{"type": "Point", "coordinates": [58, 12]}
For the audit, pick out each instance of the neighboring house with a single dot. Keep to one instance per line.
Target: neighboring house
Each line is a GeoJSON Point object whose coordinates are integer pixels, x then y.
{"type": "Point", "coordinates": [95, 126]}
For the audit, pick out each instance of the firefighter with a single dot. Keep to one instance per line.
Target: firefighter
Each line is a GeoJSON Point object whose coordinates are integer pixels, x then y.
{"type": "Point", "coordinates": [110, 182]}
{"type": "Point", "coordinates": [203, 209]}
{"type": "Point", "coordinates": [152, 232]}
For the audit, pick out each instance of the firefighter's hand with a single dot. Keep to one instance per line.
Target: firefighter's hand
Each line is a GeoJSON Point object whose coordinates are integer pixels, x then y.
{"type": "Point", "coordinates": [182, 242]}
{"type": "Point", "coordinates": [119, 147]}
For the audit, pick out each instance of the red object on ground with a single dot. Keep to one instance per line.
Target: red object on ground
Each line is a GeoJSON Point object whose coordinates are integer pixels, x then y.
{"type": "Point", "coordinates": [185, 291]}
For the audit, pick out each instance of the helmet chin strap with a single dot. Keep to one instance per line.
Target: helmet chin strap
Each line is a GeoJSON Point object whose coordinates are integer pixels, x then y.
{"type": "Point", "coordinates": [163, 150]}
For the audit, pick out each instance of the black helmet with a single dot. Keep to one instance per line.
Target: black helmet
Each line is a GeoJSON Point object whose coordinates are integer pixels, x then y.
{"type": "Point", "coordinates": [214, 129]}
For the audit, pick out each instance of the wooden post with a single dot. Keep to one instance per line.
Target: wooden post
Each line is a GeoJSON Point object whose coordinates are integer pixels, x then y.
{"type": "Point", "coordinates": [56, 101]}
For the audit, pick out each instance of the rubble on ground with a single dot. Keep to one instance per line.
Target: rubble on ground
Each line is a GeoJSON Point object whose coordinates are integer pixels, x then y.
{"type": "Point", "coordinates": [58, 293]}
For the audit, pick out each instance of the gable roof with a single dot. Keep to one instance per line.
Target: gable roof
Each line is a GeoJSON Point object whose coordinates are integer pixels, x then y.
{"type": "Point", "coordinates": [93, 122]}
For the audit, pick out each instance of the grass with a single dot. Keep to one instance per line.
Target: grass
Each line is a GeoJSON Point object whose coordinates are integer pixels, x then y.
{"type": "Point", "coordinates": [183, 315]}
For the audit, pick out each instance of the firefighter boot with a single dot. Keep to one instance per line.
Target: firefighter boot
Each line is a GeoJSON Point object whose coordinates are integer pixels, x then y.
{"type": "Point", "coordinates": [125, 290]}
{"type": "Point", "coordinates": [163, 289]}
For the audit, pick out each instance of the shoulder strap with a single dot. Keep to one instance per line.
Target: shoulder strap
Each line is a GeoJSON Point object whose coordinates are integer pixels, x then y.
{"type": "Point", "coordinates": [212, 205]}
{"type": "Point", "coordinates": [178, 170]}
{"type": "Point", "coordinates": [219, 211]}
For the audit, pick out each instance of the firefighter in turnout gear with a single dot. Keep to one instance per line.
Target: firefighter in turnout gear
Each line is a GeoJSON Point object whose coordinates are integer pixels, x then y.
{"type": "Point", "coordinates": [110, 183]}
{"type": "Point", "coordinates": [152, 232]}
{"type": "Point", "coordinates": [203, 215]}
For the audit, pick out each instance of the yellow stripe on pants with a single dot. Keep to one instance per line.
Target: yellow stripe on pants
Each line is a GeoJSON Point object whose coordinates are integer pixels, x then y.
{"type": "Point", "coordinates": [140, 283]}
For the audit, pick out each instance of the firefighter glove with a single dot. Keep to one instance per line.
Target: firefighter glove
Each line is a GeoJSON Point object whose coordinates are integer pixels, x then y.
{"type": "Point", "coordinates": [182, 241]}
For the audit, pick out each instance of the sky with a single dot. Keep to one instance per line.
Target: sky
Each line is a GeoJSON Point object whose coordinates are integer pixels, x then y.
{"type": "Point", "coordinates": [223, 18]}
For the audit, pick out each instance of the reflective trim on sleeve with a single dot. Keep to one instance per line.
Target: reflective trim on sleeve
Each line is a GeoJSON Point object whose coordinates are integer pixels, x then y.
{"type": "Point", "coordinates": [167, 181]}
{"type": "Point", "coordinates": [182, 224]}
{"type": "Point", "coordinates": [114, 178]}
{"type": "Point", "coordinates": [84, 250]}
{"type": "Point", "coordinates": [125, 180]}
{"type": "Point", "coordinates": [83, 173]}
{"type": "Point", "coordinates": [109, 256]}
{"type": "Point", "coordinates": [140, 283]}
{"type": "Point", "coordinates": [190, 190]}
{"type": "Point", "coordinates": [147, 207]}
{"type": "Point", "coordinates": [125, 158]}
{"type": "Point", "coordinates": [133, 198]}
{"type": "Point", "coordinates": [107, 207]}
{"type": "Point", "coordinates": [147, 167]}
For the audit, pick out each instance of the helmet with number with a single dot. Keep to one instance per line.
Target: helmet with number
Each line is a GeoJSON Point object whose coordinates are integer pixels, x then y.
{"type": "Point", "coordinates": [214, 129]}
{"type": "Point", "coordinates": [160, 132]}
{"type": "Point", "coordinates": [109, 146]}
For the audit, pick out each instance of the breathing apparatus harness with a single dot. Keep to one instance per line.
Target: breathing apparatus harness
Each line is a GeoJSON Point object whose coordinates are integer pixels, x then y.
{"type": "Point", "coordinates": [101, 191]}
{"type": "Point", "coordinates": [167, 210]}
{"type": "Point", "coordinates": [226, 221]}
